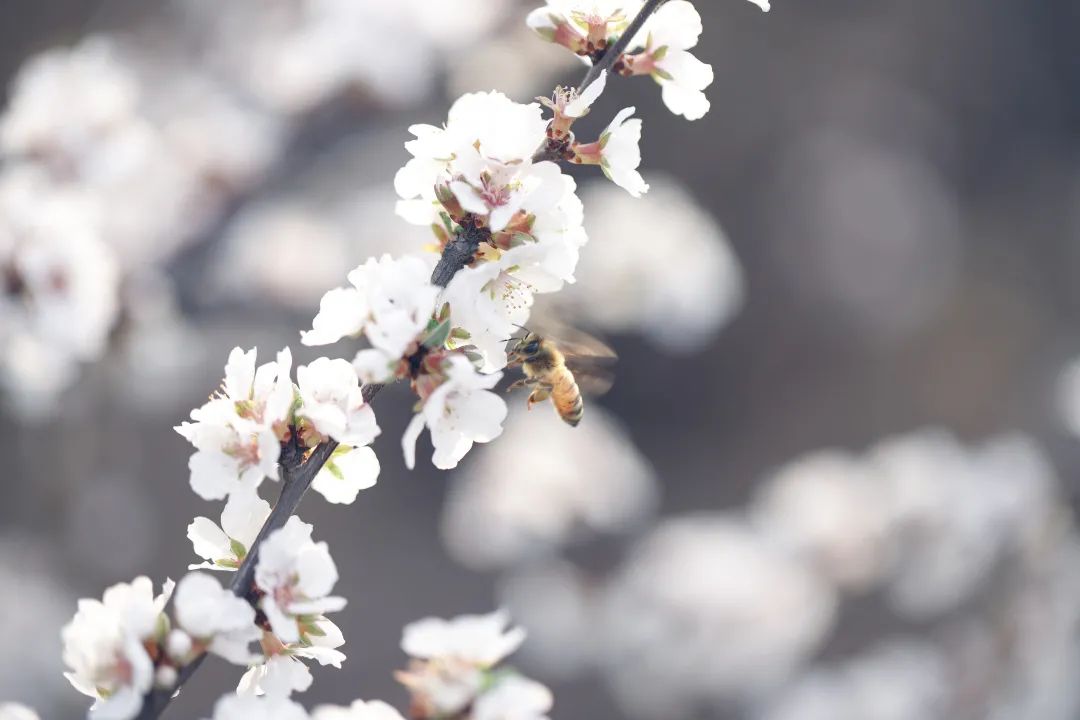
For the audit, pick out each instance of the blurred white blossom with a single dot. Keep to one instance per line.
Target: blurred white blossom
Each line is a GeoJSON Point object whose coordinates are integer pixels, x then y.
{"type": "Point", "coordinates": [665, 267]}
{"type": "Point", "coordinates": [900, 679]}
{"type": "Point", "coordinates": [358, 710]}
{"type": "Point", "coordinates": [541, 485]}
{"type": "Point", "coordinates": [706, 611]}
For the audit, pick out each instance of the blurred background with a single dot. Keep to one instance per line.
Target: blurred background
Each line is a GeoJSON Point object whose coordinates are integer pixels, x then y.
{"type": "Point", "coordinates": [836, 477]}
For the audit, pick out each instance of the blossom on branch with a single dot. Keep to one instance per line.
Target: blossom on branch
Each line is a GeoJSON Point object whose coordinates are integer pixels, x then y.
{"type": "Point", "coordinates": [295, 575]}
{"type": "Point", "coordinates": [459, 411]}
{"type": "Point", "coordinates": [585, 27]}
{"type": "Point", "coordinates": [618, 153]}
{"type": "Point", "coordinates": [453, 673]}
{"type": "Point", "coordinates": [238, 432]}
{"type": "Point", "coordinates": [670, 33]}
{"type": "Point", "coordinates": [225, 547]}
{"type": "Point", "coordinates": [106, 647]}
{"type": "Point", "coordinates": [215, 618]}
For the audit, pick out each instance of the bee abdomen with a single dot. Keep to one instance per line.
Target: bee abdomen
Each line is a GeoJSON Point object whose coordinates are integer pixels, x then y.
{"type": "Point", "coordinates": [568, 400]}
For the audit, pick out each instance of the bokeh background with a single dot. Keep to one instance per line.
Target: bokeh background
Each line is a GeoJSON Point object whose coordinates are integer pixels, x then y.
{"type": "Point", "coordinates": [836, 476]}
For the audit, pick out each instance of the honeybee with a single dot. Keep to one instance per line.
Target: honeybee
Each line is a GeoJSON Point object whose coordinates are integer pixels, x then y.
{"type": "Point", "coordinates": [561, 369]}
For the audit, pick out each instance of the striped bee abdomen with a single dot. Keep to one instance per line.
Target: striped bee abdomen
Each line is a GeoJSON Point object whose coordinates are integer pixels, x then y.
{"type": "Point", "coordinates": [566, 396]}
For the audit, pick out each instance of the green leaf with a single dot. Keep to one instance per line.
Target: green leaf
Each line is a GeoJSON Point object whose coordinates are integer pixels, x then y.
{"type": "Point", "coordinates": [444, 312]}
{"type": "Point", "coordinates": [315, 630]}
{"type": "Point", "coordinates": [237, 548]}
{"type": "Point", "coordinates": [520, 238]}
{"type": "Point", "coordinates": [660, 53]}
{"type": "Point", "coordinates": [437, 338]}
{"type": "Point", "coordinates": [460, 334]}
{"type": "Point", "coordinates": [662, 73]}
{"type": "Point", "coordinates": [334, 469]}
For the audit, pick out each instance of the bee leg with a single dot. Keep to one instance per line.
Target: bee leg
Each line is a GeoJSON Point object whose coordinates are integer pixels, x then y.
{"type": "Point", "coordinates": [539, 395]}
{"type": "Point", "coordinates": [523, 382]}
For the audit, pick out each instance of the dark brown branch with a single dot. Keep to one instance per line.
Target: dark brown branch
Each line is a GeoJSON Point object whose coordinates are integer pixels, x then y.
{"type": "Point", "coordinates": [550, 150]}
{"type": "Point", "coordinates": [613, 53]}
{"type": "Point", "coordinates": [297, 475]}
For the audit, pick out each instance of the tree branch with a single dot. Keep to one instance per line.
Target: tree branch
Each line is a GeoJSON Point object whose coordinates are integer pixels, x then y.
{"type": "Point", "coordinates": [297, 474]}
{"type": "Point", "coordinates": [551, 150]}
{"type": "Point", "coordinates": [613, 53]}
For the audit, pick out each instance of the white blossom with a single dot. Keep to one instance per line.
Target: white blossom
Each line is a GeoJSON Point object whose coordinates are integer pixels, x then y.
{"type": "Point", "coordinates": [831, 510]}
{"type": "Point", "coordinates": [358, 710]}
{"type": "Point", "coordinates": [679, 300]}
{"type": "Point", "coordinates": [480, 640]}
{"type": "Point", "coordinates": [672, 31]}
{"type": "Point", "coordinates": [236, 432]}
{"type": "Point", "coordinates": [279, 677]}
{"type": "Point", "coordinates": [618, 153]}
{"type": "Point", "coordinates": [484, 155]}
{"type": "Point", "coordinates": [583, 26]}
{"type": "Point", "coordinates": [283, 673]}
{"type": "Point", "coordinates": [60, 282]}
{"type": "Point", "coordinates": [333, 402]}
{"type": "Point", "coordinates": [103, 647]}
{"type": "Point", "coordinates": [459, 412]}
{"type": "Point", "coordinates": [493, 299]}
{"type": "Point", "coordinates": [225, 547]}
{"type": "Point", "coordinates": [348, 471]}
{"type": "Point", "coordinates": [15, 711]}
{"type": "Point", "coordinates": [452, 659]}
{"type": "Point", "coordinates": [97, 91]}
{"type": "Point", "coordinates": [390, 302]}
{"type": "Point", "coordinates": [678, 633]}
{"type": "Point", "coordinates": [514, 698]}
{"type": "Point", "coordinates": [249, 707]}
{"type": "Point", "coordinates": [597, 483]}
{"type": "Point", "coordinates": [214, 615]}
{"type": "Point", "coordinates": [296, 575]}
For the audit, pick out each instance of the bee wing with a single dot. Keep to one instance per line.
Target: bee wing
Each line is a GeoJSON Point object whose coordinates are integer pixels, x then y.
{"type": "Point", "coordinates": [572, 341]}
{"type": "Point", "coordinates": [594, 375]}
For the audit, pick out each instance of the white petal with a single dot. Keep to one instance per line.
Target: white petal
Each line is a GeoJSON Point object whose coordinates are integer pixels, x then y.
{"type": "Point", "coordinates": [409, 438]}
{"type": "Point", "coordinates": [584, 101]}
{"type": "Point", "coordinates": [208, 540]}
{"type": "Point", "coordinates": [359, 469]}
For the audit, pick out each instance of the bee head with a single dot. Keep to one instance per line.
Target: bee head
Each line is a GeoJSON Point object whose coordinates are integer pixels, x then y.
{"type": "Point", "coordinates": [525, 347]}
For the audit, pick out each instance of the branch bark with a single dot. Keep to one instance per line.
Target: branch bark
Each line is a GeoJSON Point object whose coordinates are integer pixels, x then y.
{"type": "Point", "coordinates": [297, 474]}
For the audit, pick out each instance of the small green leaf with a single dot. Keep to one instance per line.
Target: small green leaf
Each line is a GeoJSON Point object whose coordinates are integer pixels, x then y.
{"type": "Point", "coordinates": [315, 630]}
{"type": "Point", "coordinates": [437, 338]}
{"type": "Point", "coordinates": [662, 73]}
{"type": "Point", "coordinates": [660, 53]}
{"type": "Point", "coordinates": [334, 469]}
{"type": "Point", "coordinates": [237, 548]}
{"type": "Point", "coordinates": [460, 334]}
{"type": "Point", "coordinates": [444, 312]}
{"type": "Point", "coordinates": [520, 238]}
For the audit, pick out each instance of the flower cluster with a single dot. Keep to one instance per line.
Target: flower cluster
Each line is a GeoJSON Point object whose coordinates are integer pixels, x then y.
{"type": "Point", "coordinates": [660, 49]}
{"type": "Point", "coordinates": [239, 434]}
{"type": "Point", "coordinates": [454, 671]}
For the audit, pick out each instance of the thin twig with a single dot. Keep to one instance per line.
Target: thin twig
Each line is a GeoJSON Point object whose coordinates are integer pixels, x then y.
{"type": "Point", "coordinates": [549, 151]}
{"type": "Point", "coordinates": [298, 475]}
{"type": "Point", "coordinates": [613, 53]}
